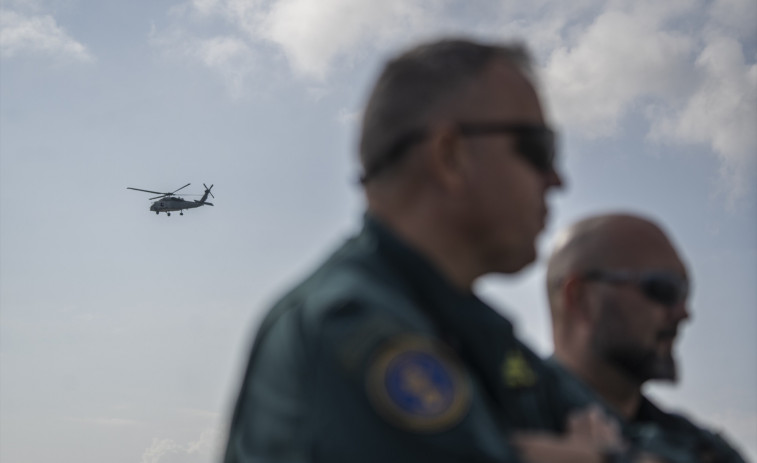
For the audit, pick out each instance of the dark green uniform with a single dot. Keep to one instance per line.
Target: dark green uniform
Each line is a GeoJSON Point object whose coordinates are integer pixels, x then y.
{"type": "Point", "coordinates": [677, 439]}
{"type": "Point", "coordinates": [377, 357]}
{"type": "Point", "coordinates": [669, 436]}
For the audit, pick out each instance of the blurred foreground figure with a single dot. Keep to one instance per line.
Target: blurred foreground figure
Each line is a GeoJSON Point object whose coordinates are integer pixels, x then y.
{"type": "Point", "coordinates": [384, 354]}
{"type": "Point", "coordinates": [618, 294]}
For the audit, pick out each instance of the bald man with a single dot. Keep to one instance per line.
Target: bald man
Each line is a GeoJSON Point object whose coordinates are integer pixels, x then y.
{"type": "Point", "coordinates": [618, 292]}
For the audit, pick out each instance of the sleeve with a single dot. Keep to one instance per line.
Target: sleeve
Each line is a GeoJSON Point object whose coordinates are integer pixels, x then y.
{"type": "Point", "coordinates": [380, 391]}
{"type": "Point", "coordinates": [270, 411]}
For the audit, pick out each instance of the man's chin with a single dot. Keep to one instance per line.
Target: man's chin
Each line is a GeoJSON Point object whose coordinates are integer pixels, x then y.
{"type": "Point", "coordinates": [515, 262]}
{"type": "Point", "coordinates": [665, 369]}
{"type": "Point", "coordinates": [649, 367]}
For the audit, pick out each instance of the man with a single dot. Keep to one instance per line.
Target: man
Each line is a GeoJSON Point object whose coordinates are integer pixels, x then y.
{"type": "Point", "coordinates": [384, 353]}
{"type": "Point", "coordinates": [618, 294]}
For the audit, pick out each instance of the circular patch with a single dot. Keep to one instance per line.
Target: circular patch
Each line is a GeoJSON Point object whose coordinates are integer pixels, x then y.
{"type": "Point", "coordinates": [418, 385]}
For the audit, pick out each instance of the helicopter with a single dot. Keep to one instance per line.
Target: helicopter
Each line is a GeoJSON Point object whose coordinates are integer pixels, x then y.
{"type": "Point", "coordinates": [167, 202]}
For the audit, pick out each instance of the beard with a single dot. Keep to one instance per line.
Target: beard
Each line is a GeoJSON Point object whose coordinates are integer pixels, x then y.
{"type": "Point", "coordinates": [613, 343]}
{"type": "Point", "coordinates": [644, 364]}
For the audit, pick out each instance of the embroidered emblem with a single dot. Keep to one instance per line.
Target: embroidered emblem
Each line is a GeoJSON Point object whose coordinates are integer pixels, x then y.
{"type": "Point", "coordinates": [516, 372]}
{"type": "Point", "coordinates": [418, 385]}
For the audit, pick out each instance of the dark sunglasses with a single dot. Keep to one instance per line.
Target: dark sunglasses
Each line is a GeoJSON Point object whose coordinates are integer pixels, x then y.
{"type": "Point", "coordinates": [535, 143]}
{"type": "Point", "coordinates": [661, 286]}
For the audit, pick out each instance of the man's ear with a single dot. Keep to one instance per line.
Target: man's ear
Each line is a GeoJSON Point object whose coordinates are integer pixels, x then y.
{"type": "Point", "coordinates": [446, 157]}
{"type": "Point", "coordinates": [577, 298]}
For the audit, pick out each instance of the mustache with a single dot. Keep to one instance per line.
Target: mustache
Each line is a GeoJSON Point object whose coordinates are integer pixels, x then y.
{"type": "Point", "coordinates": [669, 333]}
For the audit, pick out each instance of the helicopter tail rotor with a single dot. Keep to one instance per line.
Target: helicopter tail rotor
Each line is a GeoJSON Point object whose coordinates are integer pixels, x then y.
{"type": "Point", "coordinates": [205, 196]}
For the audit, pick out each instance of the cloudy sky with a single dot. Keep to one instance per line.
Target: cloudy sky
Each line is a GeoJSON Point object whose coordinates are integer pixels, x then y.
{"type": "Point", "coordinates": [123, 334]}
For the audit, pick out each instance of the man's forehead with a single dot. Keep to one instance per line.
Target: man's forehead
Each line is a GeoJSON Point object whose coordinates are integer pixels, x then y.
{"type": "Point", "coordinates": [615, 240]}
{"type": "Point", "coordinates": [640, 244]}
{"type": "Point", "coordinates": [502, 92]}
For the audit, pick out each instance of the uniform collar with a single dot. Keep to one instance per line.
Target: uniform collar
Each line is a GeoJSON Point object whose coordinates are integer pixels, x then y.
{"type": "Point", "coordinates": [416, 270]}
{"type": "Point", "coordinates": [479, 334]}
{"type": "Point", "coordinates": [649, 412]}
{"type": "Point", "coordinates": [646, 412]}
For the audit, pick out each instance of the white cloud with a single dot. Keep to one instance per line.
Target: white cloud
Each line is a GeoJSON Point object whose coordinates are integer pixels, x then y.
{"type": "Point", "coordinates": [721, 112]}
{"type": "Point", "coordinates": [693, 82]}
{"type": "Point", "coordinates": [206, 448]}
{"type": "Point", "coordinates": [736, 16]}
{"type": "Point", "coordinates": [159, 449]}
{"type": "Point", "coordinates": [678, 62]}
{"type": "Point", "coordinates": [350, 117]}
{"type": "Point", "coordinates": [314, 34]}
{"type": "Point", "coordinates": [205, 7]}
{"type": "Point", "coordinates": [24, 34]}
{"type": "Point", "coordinates": [546, 24]}
{"type": "Point", "coordinates": [231, 56]}
{"type": "Point", "coordinates": [228, 56]}
{"type": "Point", "coordinates": [622, 57]}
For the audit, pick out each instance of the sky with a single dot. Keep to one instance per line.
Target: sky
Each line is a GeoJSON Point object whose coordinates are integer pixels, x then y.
{"type": "Point", "coordinates": [123, 334]}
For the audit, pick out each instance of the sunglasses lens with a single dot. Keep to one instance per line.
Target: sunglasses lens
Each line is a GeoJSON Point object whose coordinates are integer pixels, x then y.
{"type": "Point", "coordinates": [538, 146]}
{"type": "Point", "coordinates": [664, 290]}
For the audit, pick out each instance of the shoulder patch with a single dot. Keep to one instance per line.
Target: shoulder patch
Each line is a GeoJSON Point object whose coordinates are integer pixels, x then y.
{"type": "Point", "coordinates": [516, 372]}
{"type": "Point", "coordinates": [418, 384]}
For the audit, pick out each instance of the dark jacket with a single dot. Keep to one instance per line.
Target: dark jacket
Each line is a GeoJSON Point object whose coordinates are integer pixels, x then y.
{"type": "Point", "coordinates": [376, 357]}
{"type": "Point", "coordinates": [670, 436]}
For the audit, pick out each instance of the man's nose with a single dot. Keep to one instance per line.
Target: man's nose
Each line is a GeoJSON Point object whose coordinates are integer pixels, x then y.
{"type": "Point", "coordinates": [553, 179]}
{"type": "Point", "coordinates": [680, 311]}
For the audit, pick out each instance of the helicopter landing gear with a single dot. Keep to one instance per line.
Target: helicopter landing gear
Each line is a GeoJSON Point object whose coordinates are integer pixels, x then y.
{"type": "Point", "coordinates": [157, 212]}
{"type": "Point", "coordinates": [181, 213]}
{"type": "Point", "coordinates": [168, 214]}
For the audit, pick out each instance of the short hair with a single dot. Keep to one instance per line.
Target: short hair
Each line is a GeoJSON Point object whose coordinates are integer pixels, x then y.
{"type": "Point", "coordinates": [420, 83]}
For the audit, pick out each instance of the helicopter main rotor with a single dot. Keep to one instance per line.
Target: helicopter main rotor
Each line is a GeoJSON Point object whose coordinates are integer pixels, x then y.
{"type": "Point", "coordinates": [161, 195]}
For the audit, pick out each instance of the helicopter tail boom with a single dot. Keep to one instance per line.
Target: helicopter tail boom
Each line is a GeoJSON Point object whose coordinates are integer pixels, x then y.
{"type": "Point", "coordinates": [205, 196]}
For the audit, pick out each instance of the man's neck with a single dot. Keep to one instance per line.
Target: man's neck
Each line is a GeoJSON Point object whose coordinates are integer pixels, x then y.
{"type": "Point", "coordinates": [448, 254]}
{"type": "Point", "coordinates": [616, 388]}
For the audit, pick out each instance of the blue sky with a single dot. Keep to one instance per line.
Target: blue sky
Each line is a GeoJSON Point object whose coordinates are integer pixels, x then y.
{"type": "Point", "coordinates": [123, 334]}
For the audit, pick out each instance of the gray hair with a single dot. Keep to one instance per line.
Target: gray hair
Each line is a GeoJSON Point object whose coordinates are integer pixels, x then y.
{"type": "Point", "coordinates": [421, 83]}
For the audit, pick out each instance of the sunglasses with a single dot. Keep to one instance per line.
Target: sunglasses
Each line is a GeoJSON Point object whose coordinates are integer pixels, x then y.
{"type": "Point", "coordinates": [535, 143]}
{"type": "Point", "coordinates": [664, 287]}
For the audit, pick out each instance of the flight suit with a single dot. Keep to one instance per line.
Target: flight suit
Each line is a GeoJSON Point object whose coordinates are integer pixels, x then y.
{"type": "Point", "coordinates": [376, 357]}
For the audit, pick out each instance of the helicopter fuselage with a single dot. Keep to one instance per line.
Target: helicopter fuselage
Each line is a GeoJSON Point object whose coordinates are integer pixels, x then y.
{"type": "Point", "coordinates": [175, 204]}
